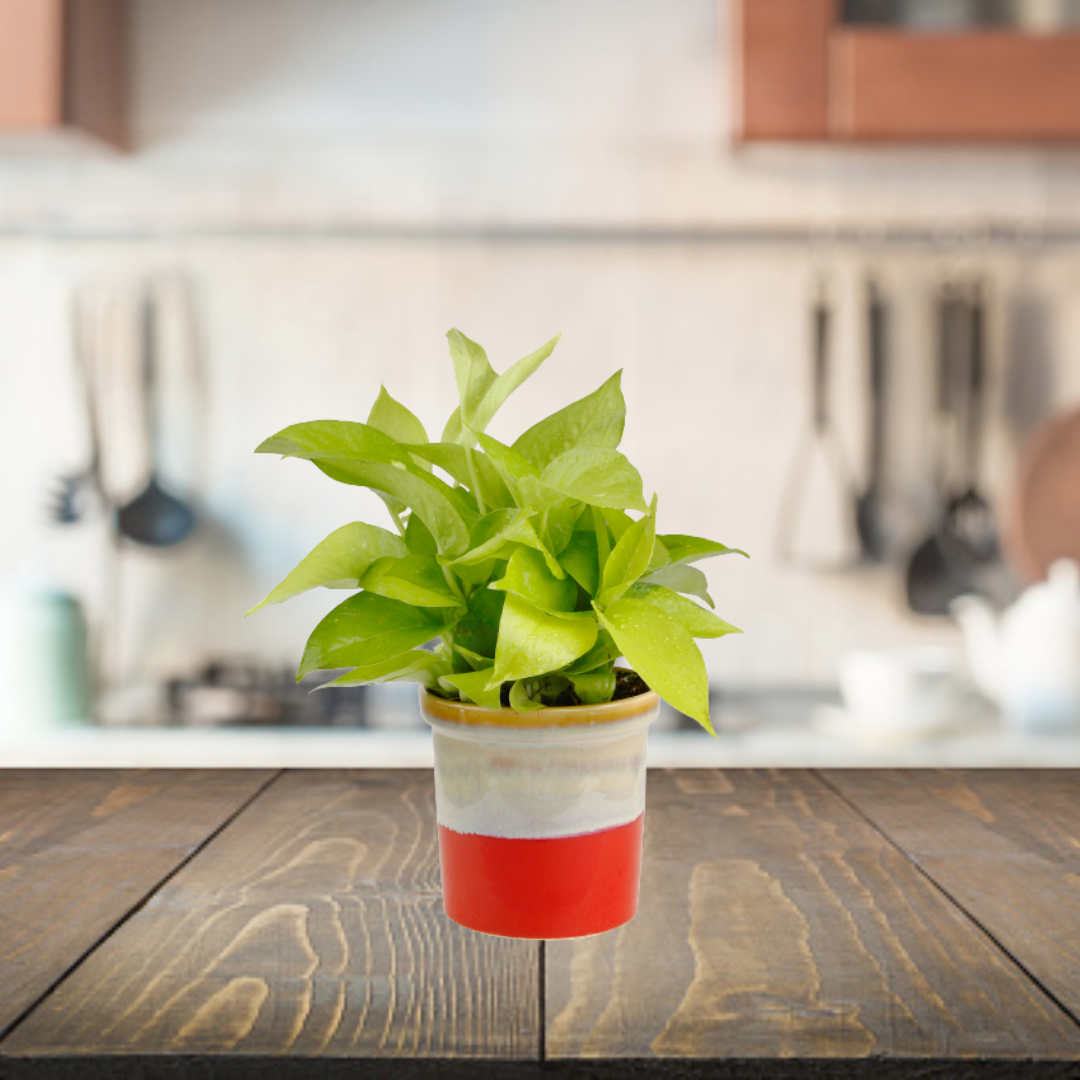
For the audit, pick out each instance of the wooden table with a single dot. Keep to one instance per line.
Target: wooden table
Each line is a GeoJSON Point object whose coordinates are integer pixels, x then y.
{"type": "Point", "coordinates": [792, 923]}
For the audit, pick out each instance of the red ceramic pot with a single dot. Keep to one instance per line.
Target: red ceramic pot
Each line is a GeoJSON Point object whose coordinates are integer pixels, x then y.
{"type": "Point", "coordinates": [540, 814]}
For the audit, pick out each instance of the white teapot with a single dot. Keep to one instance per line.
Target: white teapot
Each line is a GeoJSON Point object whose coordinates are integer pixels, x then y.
{"type": "Point", "coordinates": [1028, 660]}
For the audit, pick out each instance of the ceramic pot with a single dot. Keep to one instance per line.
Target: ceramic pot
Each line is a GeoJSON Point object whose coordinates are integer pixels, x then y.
{"type": "Point", "coordinates": [541, 815]}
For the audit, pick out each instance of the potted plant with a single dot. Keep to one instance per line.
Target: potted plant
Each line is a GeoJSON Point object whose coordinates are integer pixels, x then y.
{"type": "Point", "coordinates": [528, 570]}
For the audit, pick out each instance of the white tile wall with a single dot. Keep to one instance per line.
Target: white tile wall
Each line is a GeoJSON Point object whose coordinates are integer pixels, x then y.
{"type": "Point", "coordinates": [273, 112]}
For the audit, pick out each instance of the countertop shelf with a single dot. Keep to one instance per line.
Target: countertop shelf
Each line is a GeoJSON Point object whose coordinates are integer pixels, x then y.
{"type": "Point", "coordinates": [792, 923]}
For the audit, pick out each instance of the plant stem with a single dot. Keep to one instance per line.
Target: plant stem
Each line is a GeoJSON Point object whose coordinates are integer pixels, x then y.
{"type": "Point", "coordinates": [452, 581]}
{"type": "Point", "coordinates": [603, 545]}
{"type": "Point", "coordinates": [397, 521]}
{"type": "Point", "coordinates": [475, 483]}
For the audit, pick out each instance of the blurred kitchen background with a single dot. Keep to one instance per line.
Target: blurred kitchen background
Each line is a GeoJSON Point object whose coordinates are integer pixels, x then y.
{"type": "Point", "coordinates": [834, 247]}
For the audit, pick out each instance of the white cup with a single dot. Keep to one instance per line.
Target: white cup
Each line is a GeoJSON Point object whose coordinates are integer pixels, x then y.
{"type": "Point", "coordinates": [901, 691]}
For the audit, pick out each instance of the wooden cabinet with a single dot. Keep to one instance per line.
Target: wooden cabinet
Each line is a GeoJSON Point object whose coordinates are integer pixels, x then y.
{"type": "Point", "coordinates": [63, 65]}
{"type": "Point", "coordinates": [805, 75]}
{"type": "Point", "coordinates": [782, 73]}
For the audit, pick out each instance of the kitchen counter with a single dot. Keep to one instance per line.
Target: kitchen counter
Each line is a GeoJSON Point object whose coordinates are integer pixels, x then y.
{"type": "Point", "coordinates": [223, 923]}
{"type": "Point", "coordinates": [791, 746]}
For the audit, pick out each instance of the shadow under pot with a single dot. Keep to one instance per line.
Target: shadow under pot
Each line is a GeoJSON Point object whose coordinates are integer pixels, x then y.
{"type": "Point", "coordinates": [541, 815]}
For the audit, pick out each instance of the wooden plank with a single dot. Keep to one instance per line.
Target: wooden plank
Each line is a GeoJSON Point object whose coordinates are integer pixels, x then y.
{"type": "Point", "coordinates": [79, 850]}
{"type": "Point", "coordinates": [1004, 844]}
{"type": "Point", "coordinates": [776, 923]}
{"type": "Point", "coordinates": [781, 68]}
{"type": "Point", "coordinates": [985, 86]}
{"type": "Point", "coordinates": [312, 927]}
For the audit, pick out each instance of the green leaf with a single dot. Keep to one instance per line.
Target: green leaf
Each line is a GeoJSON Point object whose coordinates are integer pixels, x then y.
{"type": "Point", "coordinates": [464, 503]}
{"type": "Point", "coordinates": [525, 696]}
{"type": "Point", "coordinates": [688, 549]}
{"type": "Point", "coordinates": [452, 459]}
{"type": "Point", "coordinates": [527, 575]}
{"type": "Point", "coordinates": [367, 629]}
{"type": "Point", "coordinates": [362, 455]}
{"type": "Point", "coordinates": [474, 660]}
{"type": "Point", "coordinates": [618, 521]}
{"type": "Point", "coordinates": [427, 496]}
{"type": "Point", "coordinates": [593, 688]}
{"type": "Point", "coordinates": [454, 432]}
{"type": "Point", "coordinates": [662, 652]}
{"type": "Point", "coordinates": [418, 538]}
{"type": "Point", "coordinates": [660, 556]}
{"type": "Point", "coordinates": [479, 573]}
{"type": "Point", "coordinates": [329, 440]}
{"type": "Point", "coordinates": [494, 537]}
{"type": "Point", "coordinates": [478, 629]}
{"type": "Point", "coordinates": [412, 579]}
{"type": "Point", "coordinates": [596, 475]}
{"type": "Point", "coordinates": [338, 562]}
{"type": "Point", "coordinates": [472, 685]}
{"type": "Point", "coordinates": [417, 665]}
{"type": "Point", "coordinates": [473, 373]}
{"type": "Point", "coordinates": [629, 558]}
{"type": "Point", "coordinates": [699, 622]}
{"type": "Point", "coordinates": [595, 420]}
{"type": "Point", "coordinates": [603, 536]}
{"type": "Point", "coordinates": [580, 561]}
{"type": "Point", "coordinates": [520, 477]}
{"type": "Point", "coordinates": [603, 652]}
{"type": "Point", "coordinates": [394, 419]}
{"type": "Point", "coordinates": [683, 579]}
{"type": "Point", "coordinates": [532, 642]}
{"type": "Point", "coordinates": [558, 521]}
{"type": "Point", "coordinates": [505, 384]}
{"type": "Point", "coordinates": [480, 390]}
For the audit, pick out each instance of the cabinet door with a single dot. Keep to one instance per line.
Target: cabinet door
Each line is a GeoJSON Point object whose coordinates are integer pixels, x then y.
{"type": "Point", "coordinates": [985, 87]}
{"type": "Point", "coordinates": [31, 64]}
{"type": "Point", "coordinates": [805, 74]}
{"type": "Point", "coordinates": [63, 65]}
{"type": "Point", "coordinates": [783, 68]}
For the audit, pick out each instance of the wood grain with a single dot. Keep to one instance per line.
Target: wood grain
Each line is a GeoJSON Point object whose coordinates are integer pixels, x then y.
{"type": "Point", "coordinates": [980, 86]}
{"type": "Point", "coordinates": [781, 64]}
{"type": "Point", "coordinates": [312, 926]}
{"type": "Point", "coordinates": [775, 922]}
{"type": "Point", "coordinates": [79, 850]}
{"type": "Point", "coordinates": [1004, 844]}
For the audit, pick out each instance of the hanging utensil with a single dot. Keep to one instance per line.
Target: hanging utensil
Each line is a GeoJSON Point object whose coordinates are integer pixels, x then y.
{"type": "Point", "coordinates": [820, 450]}
{"type": "Point", "coordinates": [77, 493]}
{"type": "Point", "coordinates": [928, 579]}
{"type": "Point", "coordinates": [868, 506]}
{"type": "Point", "coordinates": [967, 529]}
{"type": "Point", "coordinates": [153, 517]}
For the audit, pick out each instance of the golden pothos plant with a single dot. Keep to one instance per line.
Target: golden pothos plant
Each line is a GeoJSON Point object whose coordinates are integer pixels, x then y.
{"type": "Point", "coordinates": [525, 563]}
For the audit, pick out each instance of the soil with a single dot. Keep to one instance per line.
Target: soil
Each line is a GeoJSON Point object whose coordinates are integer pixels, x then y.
{"type": "Point", "coordinates": [628, 684]}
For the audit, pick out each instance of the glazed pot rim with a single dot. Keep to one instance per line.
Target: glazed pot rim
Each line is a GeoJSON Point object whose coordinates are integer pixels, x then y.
{"type": "Point", "coordinates": [443, 713]}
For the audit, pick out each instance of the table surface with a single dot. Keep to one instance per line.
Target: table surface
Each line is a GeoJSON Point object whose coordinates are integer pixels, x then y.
{"type": "Point", "coordinates": [220, 923]}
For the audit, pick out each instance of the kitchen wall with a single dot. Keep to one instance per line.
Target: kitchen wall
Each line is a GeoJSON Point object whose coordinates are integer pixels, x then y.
{"type": "Point", "coordinates": [337, 183]}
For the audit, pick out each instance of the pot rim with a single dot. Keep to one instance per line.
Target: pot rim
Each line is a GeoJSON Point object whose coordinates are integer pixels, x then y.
{"type": "Point", "coordinates": [467, 714]}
